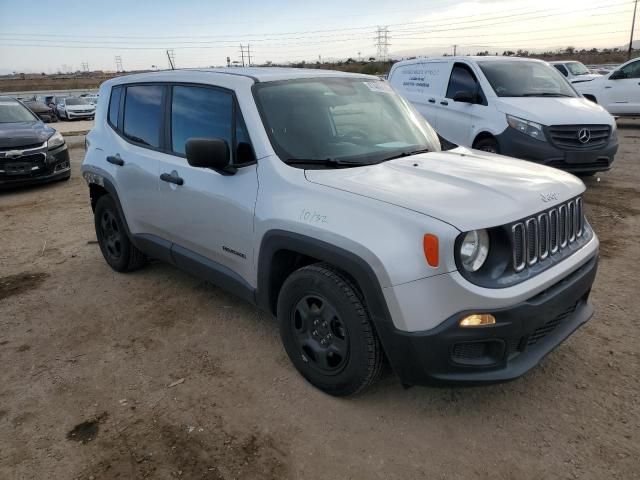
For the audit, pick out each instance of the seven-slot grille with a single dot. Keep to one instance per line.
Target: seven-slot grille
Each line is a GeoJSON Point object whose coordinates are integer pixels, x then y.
{"type": "Point", "coordinates": [536, 238]}
{"type": "Point", "coordinates": [571, 137]}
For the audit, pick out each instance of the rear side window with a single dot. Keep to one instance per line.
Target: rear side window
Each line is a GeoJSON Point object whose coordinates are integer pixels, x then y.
{"type": "Point", "coordinates": [114, 106]}
{"type": "Point", "coordinates": [461, 80]}
{"type": "Point", "coordinates": [561, 68]}
{"type": "Point", "coordinates": [632, 70]}
{"type": "Point", "coordinates": [200, 112]}
{"type": "Point", "coordinates": [143, 114]}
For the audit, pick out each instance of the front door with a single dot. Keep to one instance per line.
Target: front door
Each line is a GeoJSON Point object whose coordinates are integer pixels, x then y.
{"type": "Point", "coordinates": [622, 94]}
{"type": "Point", "coordinates": [208, 213]}
{"type": "Point", "coordinates": [455, 118]}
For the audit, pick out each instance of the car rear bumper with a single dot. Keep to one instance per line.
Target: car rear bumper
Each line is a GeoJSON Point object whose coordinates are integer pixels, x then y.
{"type": "Point", "coordinates": [518, 145]}
{"type": "Point", "coordinates": [14, 173]}
{"type": "Point", "coordinates": [522, 336]}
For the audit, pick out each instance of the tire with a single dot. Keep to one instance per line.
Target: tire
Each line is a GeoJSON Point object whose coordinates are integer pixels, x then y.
{"type": "Point", "coordinates": [116, 247]}
{"type": "Point", "coordinates": [327, 332]}
{"type": "Point", "coordinates": [487, 144]}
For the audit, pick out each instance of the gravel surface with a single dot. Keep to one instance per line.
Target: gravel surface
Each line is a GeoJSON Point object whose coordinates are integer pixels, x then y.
{"type": "Point", "coordinates": [156, 374]}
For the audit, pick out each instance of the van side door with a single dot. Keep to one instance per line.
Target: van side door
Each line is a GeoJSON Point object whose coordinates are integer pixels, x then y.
{"type": "Point", "coordinates": [207, 215]}
{"type": "Point", "coordinates": [455, 118]}
{"type": "Point", "coordinates": [422, 83]}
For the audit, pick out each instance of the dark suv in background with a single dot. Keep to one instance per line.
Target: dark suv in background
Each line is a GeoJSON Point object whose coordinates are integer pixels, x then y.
{"type": "Point", "coordinates": [30, 151]}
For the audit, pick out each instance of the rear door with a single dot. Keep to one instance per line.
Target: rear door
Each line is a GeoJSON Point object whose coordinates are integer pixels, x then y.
{"type": "Point", "coordinates": [136, 114]}
{"type": "Point", "coordinates": [209, 215]}
{"type": "Point", "coordinates": [455, 119]}
{"type": "Point", "coordinates": [622, 95]}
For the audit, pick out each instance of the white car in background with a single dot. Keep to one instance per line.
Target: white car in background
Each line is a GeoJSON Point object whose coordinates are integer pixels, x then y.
{"type": "Point", "coordinates": [575, 71]}
{"type": "Point", "coordinates": [71, 108]}
{"type": "Point", "coordinates": [618, 92]}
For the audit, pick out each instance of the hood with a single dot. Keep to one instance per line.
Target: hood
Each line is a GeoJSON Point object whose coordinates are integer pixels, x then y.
{"type": "Point", "coordinates": [17, 135]}
{"type": "Point", "coordinates": [38, 107]}
{"type": "Point", "coordinates": [465, 188]}
{"type": "Point", "coordinates": [555, 110]}
{"type": "Point", "coordinates": [585, 78]}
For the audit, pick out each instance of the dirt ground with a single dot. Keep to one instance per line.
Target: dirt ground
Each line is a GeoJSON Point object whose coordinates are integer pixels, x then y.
{"type": "Point", "coordinates": [156, 374]}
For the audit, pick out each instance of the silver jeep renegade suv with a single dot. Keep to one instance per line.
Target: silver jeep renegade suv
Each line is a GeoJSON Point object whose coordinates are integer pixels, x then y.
{"type": "Point", "coordinates": [324, 198]}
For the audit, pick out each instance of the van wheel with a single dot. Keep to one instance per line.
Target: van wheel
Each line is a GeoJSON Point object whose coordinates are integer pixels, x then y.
{"type": "Point", "coordinates": [487, 144]}
{"type": "Point", "coordinates": [327, 332]}
{"type": "Point", "coordinates": [117, 249]}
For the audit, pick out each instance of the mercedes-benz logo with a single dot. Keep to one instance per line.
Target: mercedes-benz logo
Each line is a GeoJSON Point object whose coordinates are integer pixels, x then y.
{"type": "Point", "coordinates": [584, 135]}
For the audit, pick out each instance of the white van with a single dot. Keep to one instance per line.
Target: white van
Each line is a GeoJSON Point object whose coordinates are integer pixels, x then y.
{"type": "Point", "coordinates": [519, 107]}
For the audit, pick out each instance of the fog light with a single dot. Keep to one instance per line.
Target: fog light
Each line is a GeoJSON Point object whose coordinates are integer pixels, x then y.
{"type": "Point", "coordinates": [478, 319]}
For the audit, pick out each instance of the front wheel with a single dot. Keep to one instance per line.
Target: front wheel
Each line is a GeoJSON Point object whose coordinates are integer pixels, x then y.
{"type": "Point", "coordinates": [488, 144]}
{"type": "Point", "coordinates": [327, 332]}
{"type": "Point", "coordinates": [117, 249]}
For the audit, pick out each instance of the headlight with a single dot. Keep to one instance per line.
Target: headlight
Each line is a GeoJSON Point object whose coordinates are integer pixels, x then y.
{"type": "Point", "coordinates": [55, 141]}
{"type": "Point", "coordinates": [474, 250]}
{"type": "Point", "coordinates": [525, 126]}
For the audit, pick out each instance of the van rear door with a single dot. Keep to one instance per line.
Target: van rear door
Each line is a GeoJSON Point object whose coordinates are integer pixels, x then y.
{"type": "Point", "coordinates": [422, 83]}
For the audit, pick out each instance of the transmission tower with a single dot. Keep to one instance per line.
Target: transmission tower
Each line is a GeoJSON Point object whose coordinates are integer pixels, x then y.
{"type": "Point", "coordinates": [119, 64]}
{"type": "Point", "coordinates": [245, 51]}
{"type": "Point", "coordinates": [85, 66]}
{"type": "Point", "coordinates": [171, 57]}
{"type": "Point", "coordinates": [382, 43]}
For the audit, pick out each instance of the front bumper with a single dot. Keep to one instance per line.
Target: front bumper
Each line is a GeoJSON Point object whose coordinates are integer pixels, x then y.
{"type": "Point", "coordinates": [72, 115]}
{"type": "Point", "coordinates": [55, 165]}
{"type": "Point", "coordinates": [522, 336]}
{"type": "Point", "coordinates": [518, 145]}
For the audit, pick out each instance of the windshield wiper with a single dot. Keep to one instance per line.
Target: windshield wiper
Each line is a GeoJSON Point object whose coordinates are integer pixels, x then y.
{"type": "Point", "coordinates": [545, 94]}
{"type": "Point", "coordinates": [405, 154]}
{"type": "Point", "coordinates": [332, 162]}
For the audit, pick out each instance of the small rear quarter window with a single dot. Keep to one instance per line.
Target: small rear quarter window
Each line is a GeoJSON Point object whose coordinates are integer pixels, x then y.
{"type": "Point", "coordinates": [114, 105]}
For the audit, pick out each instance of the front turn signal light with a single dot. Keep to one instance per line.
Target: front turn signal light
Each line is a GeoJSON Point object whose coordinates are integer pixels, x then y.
{"type": "Point", "coordinates": [477, 320]}
{"type": "Point", "coordinates": [431, 250]}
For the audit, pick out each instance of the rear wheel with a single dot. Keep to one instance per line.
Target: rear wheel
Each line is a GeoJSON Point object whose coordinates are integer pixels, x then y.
{"type": "Point", "coordinates": [487, 144]}
{"type": "Point", "coordinates": [117, 249]}
{"type": "Point", "coordinates": [327, 332]}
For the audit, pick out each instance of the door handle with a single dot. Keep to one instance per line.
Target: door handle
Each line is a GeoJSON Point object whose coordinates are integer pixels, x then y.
{"type": "Point", "coordinates": [172, 178]}
{"type": "Point", "coordinates": [608, 86]}
{"type": "Point", "coordinates": [444, 102]}
{"type": "Point", "coordinates": [115, 159]}
{"type": "Point", "coordinates": [432, 100]}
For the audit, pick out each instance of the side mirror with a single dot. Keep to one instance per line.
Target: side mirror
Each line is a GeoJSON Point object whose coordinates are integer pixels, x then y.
{"type": "Point", "coordinates": [617, 75]}
{"type": "Point", "coordinates": [464, 97]}
{"type": "Point", "coordinates": [210, 153]}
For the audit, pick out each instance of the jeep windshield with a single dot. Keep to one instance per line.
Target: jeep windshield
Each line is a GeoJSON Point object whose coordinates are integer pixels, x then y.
{"type": "Point", "coordinates": [525, 79]}
{"type": "Point", "coordinates": [338, 122]}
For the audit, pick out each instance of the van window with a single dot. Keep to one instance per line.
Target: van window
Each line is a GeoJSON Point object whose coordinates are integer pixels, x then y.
{"type": "Point", "coordinates": [561, 68]}
{"type": "Point", "coordinates": [114, 106]}
{"type": "Point", "coordinates": [200, 112]}
{"type": "Point", "coordinates": [461, 80]}
{"type": "Point", "coordinates": [143, 114]}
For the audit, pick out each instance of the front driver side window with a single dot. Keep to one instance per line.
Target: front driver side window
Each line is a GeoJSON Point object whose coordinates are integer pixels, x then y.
{"type": "Point", "coordinates": [461, 80]}
{"type": "Point", "coordinates": [631, 71]}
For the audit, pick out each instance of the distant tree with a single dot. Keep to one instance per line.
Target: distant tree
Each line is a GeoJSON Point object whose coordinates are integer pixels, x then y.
{"type": "Point", "coordinates": [508, 53]}
{"type": "Point", "coordinates": [372, 59]}
{"type": "Point", "coordinates": [350, 60]}
{"type": "Point", "coordinates": [570, 50]}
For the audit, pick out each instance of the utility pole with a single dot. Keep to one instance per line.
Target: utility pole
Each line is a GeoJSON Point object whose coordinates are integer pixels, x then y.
{"type": "Point", "coordinates": [382, 43]}
{"type": "Point", "coordinates": [249, 53]}
{"type": "Point", "coordinates": [455, 50]}
{"type": "Point", "coordinates": [172, 59]}
{"type": "Point", "coordinates": [119, 64]}
{"type": "Point", "coordinates": [242, 53]}
{"type": "Point", "coordinates": [633, 24]}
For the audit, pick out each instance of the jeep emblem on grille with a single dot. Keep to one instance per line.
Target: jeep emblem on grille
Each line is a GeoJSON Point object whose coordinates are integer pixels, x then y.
{"type": "Point", "coordinates": [584, 135]}
{"type": "Point", "coordinates": [548, 197]}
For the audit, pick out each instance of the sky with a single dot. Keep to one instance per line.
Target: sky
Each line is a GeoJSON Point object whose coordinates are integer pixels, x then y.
{"type": "Point", "coordinates": [62, 35]}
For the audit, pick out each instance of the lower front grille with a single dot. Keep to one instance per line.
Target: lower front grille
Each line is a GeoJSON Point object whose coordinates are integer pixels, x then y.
{"type": "Point", "coordinates": [541, 332]}
{"type": "Point", "coordinates": [563, 165]}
